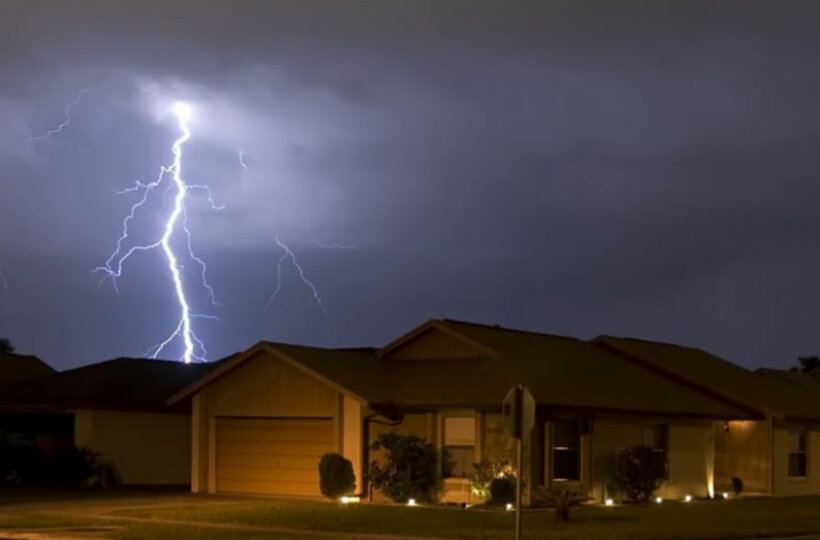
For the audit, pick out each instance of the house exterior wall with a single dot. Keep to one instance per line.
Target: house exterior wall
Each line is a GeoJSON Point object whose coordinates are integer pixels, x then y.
{"type": "Point", "coordinates": [783, 484]}
{"type": "Point", "coordinates": [690, 453]}
{"type": "Point", "coordinates": [146, 448]}
{"type": "Point", "coordinates": [743, 450]}
{"type": "Point", "coordinates": [263, 387]}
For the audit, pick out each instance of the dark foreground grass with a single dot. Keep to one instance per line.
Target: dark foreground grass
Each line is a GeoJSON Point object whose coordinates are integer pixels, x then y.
{"type": "Point", "coordinates": [751, 518]}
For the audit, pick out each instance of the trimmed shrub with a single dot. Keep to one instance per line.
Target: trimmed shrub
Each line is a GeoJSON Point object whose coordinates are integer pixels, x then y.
{"type": "Point", "coordinates": [502, 490]}
{"type": "Point", "coordinates": [410, 470]}
{"type": "Point", "coordinates": [485, 472]}
{"type": "Point", "coordinates": [639, 471]}
{"type": "Point", "coordinates": [336, 477]}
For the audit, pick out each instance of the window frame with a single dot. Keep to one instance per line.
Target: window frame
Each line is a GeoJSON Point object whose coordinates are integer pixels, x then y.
{"type": "Point", "coordinates": [444, 443]}
{"type": "Point", "coordinates": [802, 434]}
{"type": "Point", "coordinates": [566, 449]}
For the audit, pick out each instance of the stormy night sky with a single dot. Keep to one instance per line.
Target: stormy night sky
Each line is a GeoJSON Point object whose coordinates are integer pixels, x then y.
{"type": "Point", "coordinates": [648, 169]}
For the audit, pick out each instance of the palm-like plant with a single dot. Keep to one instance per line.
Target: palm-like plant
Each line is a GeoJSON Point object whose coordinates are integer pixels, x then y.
{"type": "Point", "coordinates": [561, 500]}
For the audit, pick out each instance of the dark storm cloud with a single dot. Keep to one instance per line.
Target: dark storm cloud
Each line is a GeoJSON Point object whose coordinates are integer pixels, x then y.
{"type": "Point", "coordinates": [643, 168]}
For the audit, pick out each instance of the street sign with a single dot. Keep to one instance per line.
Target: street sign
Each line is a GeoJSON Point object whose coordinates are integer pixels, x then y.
{"type": "Point", "coordinates": [518, 409]}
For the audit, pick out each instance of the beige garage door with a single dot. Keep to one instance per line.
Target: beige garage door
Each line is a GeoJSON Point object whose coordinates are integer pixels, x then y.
{"type": "Point", "coordinates": [271, 455]}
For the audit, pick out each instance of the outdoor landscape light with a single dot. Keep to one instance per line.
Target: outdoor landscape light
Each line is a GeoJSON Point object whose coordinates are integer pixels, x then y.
{"type": "Point", "coordinates": [609, 502]}
{"type": "Point", "coordinates": [658, 500]}
{"type": "Point", "coordinates": [725, 495]}
{"type": "Point", "coordinates": [348, 500]}
{"type": "Point", "coordinates": [411, 502]}
{"type": "Point", "coordinates": [688, 498]}
{"type": "Point", "coordinates": [509, 507]}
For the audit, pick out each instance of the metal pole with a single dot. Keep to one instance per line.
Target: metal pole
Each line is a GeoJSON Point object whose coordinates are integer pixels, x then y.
{"type": "Point", "coordinates": [520, 459]}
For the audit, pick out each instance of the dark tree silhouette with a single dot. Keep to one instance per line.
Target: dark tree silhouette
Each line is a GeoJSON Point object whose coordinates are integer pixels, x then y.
{"type": "Point", "coordinates": [808, 364]}
{"type": "Point", "coordinates": [6, 346]}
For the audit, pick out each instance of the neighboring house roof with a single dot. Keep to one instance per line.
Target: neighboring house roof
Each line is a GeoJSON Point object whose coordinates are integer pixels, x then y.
{"type": "Point", "coordinates": [718, 377]}
{"type": "Point", "coordinates": [132, 384]}
{"type": "Point", "coordinates": [560, 371]}
{"type": "Point", "coordinates": [15, 368]}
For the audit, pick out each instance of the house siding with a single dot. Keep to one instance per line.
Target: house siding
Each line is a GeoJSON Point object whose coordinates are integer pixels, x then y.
{"type": "Point", "coordinates": [783, 484]}
{"type": "Point", "coordinates": [743, 450]}
{"type": "Point", "coordinates": [690, 453]}
{"type": "Point", "coordinates": [146, 448]}
{"type": "Point", "coordinates": [264, 387]}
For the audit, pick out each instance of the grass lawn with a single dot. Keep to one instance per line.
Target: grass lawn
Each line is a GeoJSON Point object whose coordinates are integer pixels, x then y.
{"type": "Point", "coordinates": [700, 520]}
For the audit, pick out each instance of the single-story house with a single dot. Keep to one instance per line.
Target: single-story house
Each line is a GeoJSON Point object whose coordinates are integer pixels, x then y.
{"type": "Point", "coordinates": [117, 408]}
{"type": "Point", "coordinates": [16, 368]}
{"type": "Point", "coordinates": [261, 420]}
{"type": "Point", "coordinates": [776, 454]}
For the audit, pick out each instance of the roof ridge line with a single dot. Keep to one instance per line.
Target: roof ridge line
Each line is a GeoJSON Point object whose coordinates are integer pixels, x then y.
{"type": "Point", "coordinates": [507, 329]}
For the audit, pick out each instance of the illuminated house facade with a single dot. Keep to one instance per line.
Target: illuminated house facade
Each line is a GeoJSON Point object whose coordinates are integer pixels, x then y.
{"type": "Point", "coordinates": [261, 420]}
{"type": "Point", "coordinates": [779, 453]}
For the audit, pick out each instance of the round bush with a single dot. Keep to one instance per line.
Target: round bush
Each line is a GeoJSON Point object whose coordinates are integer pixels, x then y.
{"type": "Point", "coordinates": [502, 490]}
{"type": "Point", "coordinates": [336, 477]}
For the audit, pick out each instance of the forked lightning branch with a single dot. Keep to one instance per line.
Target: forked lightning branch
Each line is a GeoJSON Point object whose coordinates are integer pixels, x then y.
{"type": "Point", "coordinates": [169, 183]}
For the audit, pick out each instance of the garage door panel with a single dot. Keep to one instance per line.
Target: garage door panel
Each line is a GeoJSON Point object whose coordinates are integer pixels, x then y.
{"type": "Point", "coordinates": [276, 434]}
{"type": "Point", "coordinates": [282, 461]}
{"type": "Point", "coordinates": [270, 487]}
{"type": "Point", "coordinates": [273, 448]}
{"type": "Point", "coordinates": [268, 474]}
{"type": "Point", "coordinates": [271, 455]}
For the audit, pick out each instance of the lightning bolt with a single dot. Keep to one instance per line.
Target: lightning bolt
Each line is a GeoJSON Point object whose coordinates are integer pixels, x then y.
{"type": "Point", "coordinates": [66, 120]}
{"type": "Point", "coordinates": [193, 347]}
{"type": "Point", "coordinates": [289, 255]}
{"type": "Point", "coordinates": [242, 160]}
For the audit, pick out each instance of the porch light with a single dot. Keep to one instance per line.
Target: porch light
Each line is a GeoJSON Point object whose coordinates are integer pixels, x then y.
{"type": "Point", "coordinates": [688, 498]}
{"type": "Point", "coordinates": [348, 500]}
{"type": "Point", "coordinates": [509, 507]}
{"type": "Point", "coordinates": [659, 500]}
{"type": "Point", "coordinates": [411, 502]}
{"type": "Point", "coordinates": [609, 502]}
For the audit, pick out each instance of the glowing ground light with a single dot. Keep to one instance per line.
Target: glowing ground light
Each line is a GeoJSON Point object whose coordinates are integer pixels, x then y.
{"type": "Point", "coordinates": [610, 502]}
{"type": "Point", "coordinates": [177, 220]}
{"type": "Point", "coordinates": [688, 498]}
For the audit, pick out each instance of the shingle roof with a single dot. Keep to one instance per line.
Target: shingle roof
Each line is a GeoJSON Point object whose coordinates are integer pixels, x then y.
{"type": "Point", "coordinates": [119, 384]}
{"type": "Point", "coordinates": [15, 368]}
{"type": "Point", "coordinates": [775, 396]}
{"type": "Point", "coordinates": [561, 372]}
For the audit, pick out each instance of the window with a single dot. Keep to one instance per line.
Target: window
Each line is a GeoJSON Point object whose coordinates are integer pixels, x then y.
{"type": "Point", "coordinates": [797, 453]}
{"type": "Point", "coordinates": [566, 449]}
{"type": "Point", "coordinates": [459, 439]}
{"type": "Point", "coordinates": [655, 436]}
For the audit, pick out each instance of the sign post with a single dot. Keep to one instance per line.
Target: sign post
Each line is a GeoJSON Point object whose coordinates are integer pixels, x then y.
{"type": "Point", "coordinates": [518, 410]}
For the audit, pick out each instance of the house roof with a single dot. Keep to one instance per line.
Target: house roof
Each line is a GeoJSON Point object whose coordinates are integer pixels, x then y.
{"type": "Point", "coordinates": [15, 368]}
{"type": "Point", "coordinates": [560, 371]}
{"type": "Point", "coordinates": [768, 395]}
{"type": "Point", "coordinates": [119, 384]}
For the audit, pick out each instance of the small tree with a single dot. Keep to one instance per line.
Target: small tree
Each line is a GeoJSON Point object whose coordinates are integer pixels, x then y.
{"type": "Point", "coordinates": [410, 471]}
{"type": "Point", "coordinates": [336, 477]}
{"type": "Point", "coordinates": [639, 471]}
{"type": "Point", "coordinates": [808, 364]}
{"type": "Point", "coordinates": [6, 346]}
